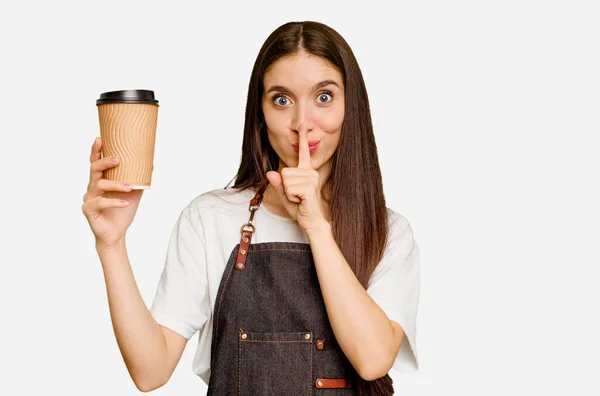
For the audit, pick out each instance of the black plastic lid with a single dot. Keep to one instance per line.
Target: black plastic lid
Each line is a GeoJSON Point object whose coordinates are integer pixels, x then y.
{"type": "Point", "coordinates": [128, 96]}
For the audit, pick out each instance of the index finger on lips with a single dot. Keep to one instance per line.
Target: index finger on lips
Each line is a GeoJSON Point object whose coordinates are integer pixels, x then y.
{"type": "Point", "coordinates": [303, 149]}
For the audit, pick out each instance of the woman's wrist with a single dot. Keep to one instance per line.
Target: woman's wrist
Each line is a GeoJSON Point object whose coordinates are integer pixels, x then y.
{"type": "Point", "coordinates": [320, 229]}
{"type": "Point", "coordinates": [113, 247]}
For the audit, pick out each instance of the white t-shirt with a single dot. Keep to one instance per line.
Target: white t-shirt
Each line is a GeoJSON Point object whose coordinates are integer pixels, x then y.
{"type": "Point", "coordinates": [203, 239]}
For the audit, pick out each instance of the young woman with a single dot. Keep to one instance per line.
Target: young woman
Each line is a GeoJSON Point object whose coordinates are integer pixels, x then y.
{"type": "Point", "coordinates": [297, 278]}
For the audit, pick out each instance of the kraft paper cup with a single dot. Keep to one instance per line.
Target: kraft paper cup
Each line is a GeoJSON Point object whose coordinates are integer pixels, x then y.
{"type": "Point", "coordinates": [128, 122]}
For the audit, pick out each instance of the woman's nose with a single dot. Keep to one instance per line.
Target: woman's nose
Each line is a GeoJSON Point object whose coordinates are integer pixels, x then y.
{"type": "Point", "coordinates": [297, 126]}
{"type": "Point", "coordinates": [303, 116]}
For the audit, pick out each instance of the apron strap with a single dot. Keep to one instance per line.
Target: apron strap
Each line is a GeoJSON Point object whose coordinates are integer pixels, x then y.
{"type": "Point", "coordinates": [247, 233]}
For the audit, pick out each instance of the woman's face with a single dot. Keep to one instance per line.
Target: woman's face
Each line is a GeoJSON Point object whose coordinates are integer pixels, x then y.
{"type": "Point", "coordinates": [299, 89]}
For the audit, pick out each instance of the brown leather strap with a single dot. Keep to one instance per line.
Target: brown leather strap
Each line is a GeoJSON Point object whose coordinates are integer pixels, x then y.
{"type": "Point", "coordinates": [240, 262]}
{"type": "Point", "coordinates": [332, 383]}
{"type": "Point", "coordinates": [258, 197]}
{"type": "Point", "coordinates": [243, 251]}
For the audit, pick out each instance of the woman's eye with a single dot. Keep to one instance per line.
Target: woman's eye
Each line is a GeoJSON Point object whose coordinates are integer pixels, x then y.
{"type": "Point", "coordinates": [278, 100]}
{"type": "Point", "coordinates": [325, 95]}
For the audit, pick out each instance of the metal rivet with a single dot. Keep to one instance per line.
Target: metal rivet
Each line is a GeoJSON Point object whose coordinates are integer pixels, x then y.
{"type": "Point", "coordinates": [244, 336]}
{"type": "Point", "coordinates": [320, 344]}
{"type": "Point", "coordinates": [307, 336]}
{"type": "Point", "coordinates": [240, 265]}
{"type": "Point", "coordinates": [245, 239]}
{"type": "Point", "coordinates": [242, 252]}
{"type": "Point", "coordinates": [319, 383]}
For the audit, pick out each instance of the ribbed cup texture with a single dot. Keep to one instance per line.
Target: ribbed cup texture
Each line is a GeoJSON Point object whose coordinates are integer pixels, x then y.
{"type": "Point", "coordinates": [128, 131]}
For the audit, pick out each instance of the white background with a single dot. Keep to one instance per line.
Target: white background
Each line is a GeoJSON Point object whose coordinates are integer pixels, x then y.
{"type": "Point", "coordinates": [484, 114]}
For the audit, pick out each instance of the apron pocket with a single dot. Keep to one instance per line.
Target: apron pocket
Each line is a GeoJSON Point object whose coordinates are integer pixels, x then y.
{"type": "Point", "coordinates": [275, 363]}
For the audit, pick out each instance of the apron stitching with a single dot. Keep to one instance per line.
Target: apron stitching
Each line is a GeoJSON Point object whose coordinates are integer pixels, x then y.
{"type": "Point", "coordinates": [239, 367]}
{"type": "Point", "coordinates": [219, 311]}
{"type": "Point", "coordinates": [294, 250]}
{"type": "Point", "coordinates": [311, 364]}
{"type": "Point", "coordinates": [276, 341]}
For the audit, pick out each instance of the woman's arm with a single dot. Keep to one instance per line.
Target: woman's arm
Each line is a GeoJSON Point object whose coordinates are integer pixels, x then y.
{"type": "Point", "coordinates": [151, 352]}
{"type": "Point", "coordinates": [367, 337]}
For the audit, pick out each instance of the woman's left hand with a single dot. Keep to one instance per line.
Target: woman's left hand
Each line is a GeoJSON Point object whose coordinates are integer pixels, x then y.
{"type": "Point", "coordinates": [298, 187]}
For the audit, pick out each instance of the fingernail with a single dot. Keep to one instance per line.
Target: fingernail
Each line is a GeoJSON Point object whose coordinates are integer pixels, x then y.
{"type": "Point", "coordinates": [128, 186]}
{"type": "Point", "coordinates": [124, 203]}
{"type": "Point", "coordinates": [115, 159]}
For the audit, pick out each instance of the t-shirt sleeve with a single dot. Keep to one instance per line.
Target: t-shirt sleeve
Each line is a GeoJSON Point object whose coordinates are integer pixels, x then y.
{"type": "Point", "coordinates": [394, 286]}
{"type": "Point", "coordinates": [181, 300]}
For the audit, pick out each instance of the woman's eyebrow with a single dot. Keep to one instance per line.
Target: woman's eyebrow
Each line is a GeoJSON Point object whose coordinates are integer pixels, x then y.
{"type": "Point", "coordinates": [280, 88]}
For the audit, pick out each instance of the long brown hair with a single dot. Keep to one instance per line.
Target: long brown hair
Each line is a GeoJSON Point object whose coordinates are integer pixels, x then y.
{"type": "Point", "coordinates": [357, 206]}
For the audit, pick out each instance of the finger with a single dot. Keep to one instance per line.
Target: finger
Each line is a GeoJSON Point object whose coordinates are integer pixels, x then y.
{"type": "Point", "coordinates": [298, 192]}
{"type": "Point", "coordinates": [303, 149]}
{"type": "Point", "coordinates": [95, 155]}
{"type": "Point", "coordinates": [276, 181]}
{"type": "Point", "coordinates": [101, 165]}
{"type": "Point", "coordinates": [308, 180]}
{"type": "Point", "coordinates": [102, 185]}
{"type": "Point", "coordinates": [291, 173]}
{"type": "Point", "coordinates": [105, 203]}
{"type": "Point", "coordinates": [93, 206]}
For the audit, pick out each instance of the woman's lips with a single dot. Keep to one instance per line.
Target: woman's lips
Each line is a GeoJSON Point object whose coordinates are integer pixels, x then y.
{"type": "Point", "coordinates": [313, 145]}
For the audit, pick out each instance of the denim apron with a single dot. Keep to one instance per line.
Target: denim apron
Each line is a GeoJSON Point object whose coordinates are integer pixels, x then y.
{"type": "Point", "coordinates": [271, 334]}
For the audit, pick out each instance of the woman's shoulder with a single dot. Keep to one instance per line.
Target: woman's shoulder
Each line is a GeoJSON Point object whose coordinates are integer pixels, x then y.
{"type": "Point", "coordinates": [397, 221]}
{"type": "Point", "coordinates": [220, 198]}
{"type": "Point", "coordinates": [400, 232]}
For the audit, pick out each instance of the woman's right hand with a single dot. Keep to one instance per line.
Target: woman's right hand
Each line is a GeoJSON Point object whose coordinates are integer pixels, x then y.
{"type": "Point", "coordinates": [103, 204]}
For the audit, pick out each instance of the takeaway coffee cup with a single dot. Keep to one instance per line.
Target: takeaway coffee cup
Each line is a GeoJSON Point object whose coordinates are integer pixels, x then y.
{"type": "Point", "coordinates": [128, 130]}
